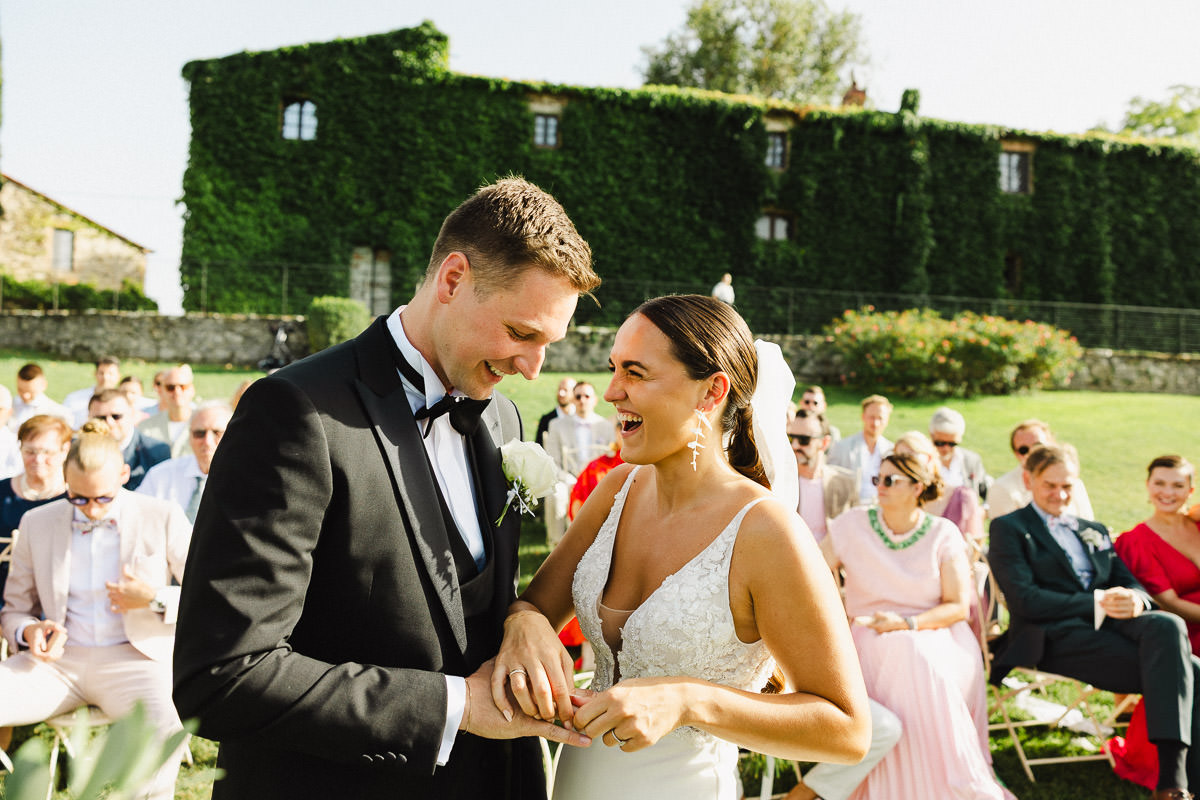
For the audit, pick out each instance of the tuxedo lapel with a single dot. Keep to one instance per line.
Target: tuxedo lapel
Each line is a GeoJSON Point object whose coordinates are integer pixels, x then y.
{"type": "Point", "coordinates": [399, 439]}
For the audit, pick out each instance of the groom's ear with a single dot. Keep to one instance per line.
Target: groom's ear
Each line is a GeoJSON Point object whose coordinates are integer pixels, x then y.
{"type": "Point", "coordinates": [452, 276]}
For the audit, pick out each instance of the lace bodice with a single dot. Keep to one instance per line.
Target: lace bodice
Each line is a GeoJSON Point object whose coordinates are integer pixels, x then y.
{"type": "Point", "coordinates": [684, 627]}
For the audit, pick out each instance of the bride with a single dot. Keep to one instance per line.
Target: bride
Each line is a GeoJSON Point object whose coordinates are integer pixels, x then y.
{"type": "Point", "coordinates": [693, 584]}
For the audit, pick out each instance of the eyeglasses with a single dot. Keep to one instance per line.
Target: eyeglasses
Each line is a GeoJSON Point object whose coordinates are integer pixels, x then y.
{"type": "Point", "coordinates": [944, 443]}
{"type": "Point", "coordinates": [80, 500]}
{"type": "Point", "coordinates": [34, 452]}
{"type": "Point", "coordinates": [176, 387]}
{"type": "Point", "coordinates": [801, 439]}
{"type": "Point", "coordinates": [889, 480]}
{"type": "Point", "coordinates": [200, 433]}
{"type": "Point", "coordinates": [584, 396]}
{"type": "Point", "coordinates": [809, 401]}
{"type": "Point", "coordinates": [113, 417]}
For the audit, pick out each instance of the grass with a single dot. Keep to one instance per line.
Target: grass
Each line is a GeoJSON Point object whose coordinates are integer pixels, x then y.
{"type": "Point", "coordinates": [1116, 434]}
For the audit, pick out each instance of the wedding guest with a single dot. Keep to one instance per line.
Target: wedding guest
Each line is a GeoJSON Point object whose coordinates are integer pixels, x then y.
{"type": "Point", "coordinates": [107, 376]}
{"type": "Point", "coordinates": [593, 472]}
{"type": "Point", "coordinates": [10, 448]}
{"type": "Point", "coordinates": [31, 397]}
{"type": "Point", "coordinates": [1162, 552]}
{"type": "Point", "coordinates": [141, 452]}
{"type": "Point", "coordinates": [959, 466]}
{"type": "Point", "coordinates": [1009, 492]}
{"type": "Point", "coordinates": [182, 480]}
{"type": "Point", "coordinates": [564, 407]}
{"type": "Point", "coordinates": [573, 441]}
{"type": "Point", "coordinates": [813, 401]}
{"type": "Point", "coordinates": [691, 580]}
{"type": "Point", "coordinates": [178, 391]}
{"type": "Point", "coordinates": [907, 592]}
{"type": "Point", "coordinates": [723, 290]}
{"type": "Point", "coordinates": [89, 609]}
{"type": "Point", "coordinates": [959, 504]}
{"type": "Point", "coordinates": [825, 490]}
{"type": "Point", "coordinates": [1076, 610]}
{"type": "Point", "coordinates": [864, 451]}
{"type": "Point", "coordinates": [131, 387]}
{"type": "Point", "coordinates": [238, 392]}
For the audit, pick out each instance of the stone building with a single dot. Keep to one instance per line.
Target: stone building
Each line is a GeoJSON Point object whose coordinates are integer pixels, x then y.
{"type": "Point", "coordinates": [41, 239]}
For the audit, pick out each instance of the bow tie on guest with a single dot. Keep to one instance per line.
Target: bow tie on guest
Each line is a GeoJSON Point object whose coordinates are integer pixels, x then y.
{"type": "Point", "coordinates": [464, 413]}
{"type": "Point", "coordinates": [86, 526]}
{"type": "Point", "coordinates": [1065, 522]}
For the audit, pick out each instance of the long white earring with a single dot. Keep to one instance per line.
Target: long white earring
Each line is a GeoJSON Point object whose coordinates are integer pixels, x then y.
{"type": "Point", "coordinates": [701, 423]}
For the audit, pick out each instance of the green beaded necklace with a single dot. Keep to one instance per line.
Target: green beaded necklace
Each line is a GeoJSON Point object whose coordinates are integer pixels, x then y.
{"type": "Point", "coordinates": [877, 526]}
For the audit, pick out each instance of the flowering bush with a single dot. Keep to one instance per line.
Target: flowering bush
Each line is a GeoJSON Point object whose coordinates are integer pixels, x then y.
{"type": "Point", "coordinates": [919, 353]}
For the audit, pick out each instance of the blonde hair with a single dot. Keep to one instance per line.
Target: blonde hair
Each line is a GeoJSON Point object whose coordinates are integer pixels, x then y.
{"type": "Point", "coordinates": [921, 445]}
{"type": "Point", "coordinates": [94, 448]}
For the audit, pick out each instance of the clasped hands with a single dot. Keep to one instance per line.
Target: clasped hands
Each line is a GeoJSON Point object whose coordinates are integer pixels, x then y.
{"type": "Point", "coordinates": [882, 621]}
{"type": "Point", "coordinates": [534, 670]}
{"type": "Point", "coordinates": [1121, 603]}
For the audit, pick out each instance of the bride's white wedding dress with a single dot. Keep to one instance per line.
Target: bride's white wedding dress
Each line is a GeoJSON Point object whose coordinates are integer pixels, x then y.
{"type": "Point", "coordinates": [684, 628]}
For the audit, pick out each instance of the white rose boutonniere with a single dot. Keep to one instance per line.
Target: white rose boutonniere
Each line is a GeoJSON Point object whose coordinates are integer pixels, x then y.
{"type": "Point", "coordinates": [531, 475]}
{"type": "Point", "coordinates": [1093, 539]}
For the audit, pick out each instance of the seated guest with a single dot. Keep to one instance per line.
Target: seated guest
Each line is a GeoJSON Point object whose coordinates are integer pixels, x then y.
{"type": "Point", "coordinates": [88, 607]}
{"type": "Point", "coordinates": [593, 472]}
{"type": "Point", "coordinates": [181, 480]}
{"type": "Point", "coordinates": [564, 407]}
{"type": "Point", "coordinates": [959, 466]}
{"type": "Point", "coordinates": [107, 375]}
{"type": "Point", "coordinates": [31, 397]}
{"type": "Point", "coordinates": [1009, 492]}
{"type": "Point", "coordinates": [10, 448]}
{"type": "Point", "coordinates": [1076, 610]}
{"type": "Point", "coordinates": [141, 452]}
{"type": "Point", "coordinates": [863, 452]}
{"type": "Point", "coordinates": [813, 401]}
{"type": "Point", "coordinates": [131, 387]}
{"type": "Point", "coordinates": [959, 504]}
{"type": "Point", "coordinates": [573, 441]}
{"type": "Point", "coordinates": [907, 592]}
{"type": "Point", "coordinates": [177, 390]}
{"type": "Point", "coordinates": [1162, 552]}
{"type": "Point", "coordinates": [825, 490]}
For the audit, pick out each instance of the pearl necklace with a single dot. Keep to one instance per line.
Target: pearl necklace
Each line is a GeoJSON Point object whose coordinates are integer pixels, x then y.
{"type": "Point", "coordinates": [879, 528]}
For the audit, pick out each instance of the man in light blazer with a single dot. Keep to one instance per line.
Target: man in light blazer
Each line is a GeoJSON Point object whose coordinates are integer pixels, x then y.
{"type": "Point", "coordinates": [348, 578]}
{"type": "Point", "coordinates": [863, 452]}
{"type": "Point", "coordinates": [1076, 610]}
{"type": "Point", "coordinates": [577, 440]}
{"type": "Point", "coordinates": [88, 607]}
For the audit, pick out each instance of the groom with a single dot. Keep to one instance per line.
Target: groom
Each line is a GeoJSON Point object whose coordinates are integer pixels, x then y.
{"type": "Point", "coordinates": [347, 581]}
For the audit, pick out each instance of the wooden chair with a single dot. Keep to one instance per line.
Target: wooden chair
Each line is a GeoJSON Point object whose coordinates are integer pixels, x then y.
{"type": "Point", "coordinates": [1080, 714]}
{"type": "Point", "coordinates": [7, 543]}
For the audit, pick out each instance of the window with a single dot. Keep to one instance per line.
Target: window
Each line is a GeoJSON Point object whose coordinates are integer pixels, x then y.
{"type": "Point", "coordinates": [1013, 266]}
{"type": "Point", "coordinates": [772, 227]}
{"type": "Point", "coordinates": [1016, 167]}
{"type": "Point", "coordinates": [62, 257]}
{"type": "Point", "coordinates": [545, 130]}
{"type": "Point", "coordinates": [299, 120]}
{"type": "Point", "coordinates": [777, 150]}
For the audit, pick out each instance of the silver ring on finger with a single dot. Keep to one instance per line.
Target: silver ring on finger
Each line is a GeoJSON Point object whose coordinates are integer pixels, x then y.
{"type": "Point", "coordinates": [516, 670]}
{"type": "Point", "coordinates": [620, 742]}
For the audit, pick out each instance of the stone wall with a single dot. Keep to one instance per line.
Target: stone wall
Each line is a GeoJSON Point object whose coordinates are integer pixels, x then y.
{"type": "Point", "coordinates": [237, 339]}
{"type": "Point", "coordinates": [244, 340]}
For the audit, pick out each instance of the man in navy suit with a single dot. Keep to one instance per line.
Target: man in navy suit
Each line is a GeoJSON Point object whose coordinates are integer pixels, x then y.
{"type": "Point", "coordinates": [141, 452]}
{"type": "Point", "coordinates": [349, 573]}
{"type": "Point", "coordinates": [1076, 610]}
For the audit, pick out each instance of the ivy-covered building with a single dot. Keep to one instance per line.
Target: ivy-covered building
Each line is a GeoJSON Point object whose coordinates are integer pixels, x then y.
{"type": "Point", "coordinates": [327, 169]}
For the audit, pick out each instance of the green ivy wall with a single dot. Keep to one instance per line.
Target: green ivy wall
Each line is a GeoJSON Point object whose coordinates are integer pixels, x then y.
{"type": "Point", "coordinates": [665, 184]}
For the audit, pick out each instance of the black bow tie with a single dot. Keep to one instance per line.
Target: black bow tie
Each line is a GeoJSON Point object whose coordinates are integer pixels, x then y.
{"type": "Point", "coordinates": [464, 413]}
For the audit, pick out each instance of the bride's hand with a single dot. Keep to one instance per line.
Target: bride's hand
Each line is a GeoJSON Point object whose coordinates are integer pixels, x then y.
{"type": "Point", "coordinates": [633, 714]}
{"type": "Point", "coordinates": [538, 669]}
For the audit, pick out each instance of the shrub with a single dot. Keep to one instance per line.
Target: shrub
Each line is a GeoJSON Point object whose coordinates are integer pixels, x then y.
{"type": "Point", "coordinates": [335, 319]}
{"type": "Point", "coordinates": [36, 295]}
{"type": "Point", "coordinates": [918, 353]}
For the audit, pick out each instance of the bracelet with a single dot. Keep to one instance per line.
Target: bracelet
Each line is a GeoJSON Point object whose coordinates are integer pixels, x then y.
{"type": "Point", "coordinates": [911, 622]}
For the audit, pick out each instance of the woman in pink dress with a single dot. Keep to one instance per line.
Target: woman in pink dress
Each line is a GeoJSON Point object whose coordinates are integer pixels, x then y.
{"type": "Point", "coordinates": [907, 593]}
{"type": "Point", "coordinates": [1162, 552]}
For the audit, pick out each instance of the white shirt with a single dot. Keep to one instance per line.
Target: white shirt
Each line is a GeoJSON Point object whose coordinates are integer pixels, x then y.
{"type": "Point", "coordinates": [95, 560]}
{"type": "Point", "coordinates": [39, 405]}
{"type": "Point", "coordinates": [173, 479]}
{"type": "Point", "coordinates": [448, 456]}
{"type": "Point", "coordinates": [77, 404]}
{"type": "Point", "coordinates": [955, 474]}
{"type": "Point", "coordinates": [10, 454]}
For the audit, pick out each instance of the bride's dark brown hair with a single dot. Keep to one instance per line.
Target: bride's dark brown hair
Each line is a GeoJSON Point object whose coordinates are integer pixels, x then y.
{"type": "Point", "coordinates": [707, 336]}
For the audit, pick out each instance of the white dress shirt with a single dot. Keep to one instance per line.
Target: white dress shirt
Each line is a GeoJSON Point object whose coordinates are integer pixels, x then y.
{"type": "Point", "coordinates": [95, 560]}
{"type": "Point", "coordinates": [10, 454]}
{"type": "Point", "coordinates": [173, 479]}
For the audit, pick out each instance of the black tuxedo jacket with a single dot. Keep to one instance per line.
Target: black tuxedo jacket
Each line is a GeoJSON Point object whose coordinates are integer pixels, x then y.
{"type": "Point", "coordinates": [1040, 587]}
{"type": "Point", "coordinates": [321, 605]}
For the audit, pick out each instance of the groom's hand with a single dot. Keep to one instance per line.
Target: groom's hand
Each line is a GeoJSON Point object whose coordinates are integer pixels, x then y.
{"type": "Point", "coordinates": [482, 718]}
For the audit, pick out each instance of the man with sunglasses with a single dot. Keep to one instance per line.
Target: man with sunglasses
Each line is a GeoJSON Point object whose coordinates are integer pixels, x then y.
{"type": "Point", "coordinates": [89, 609]}
{"type": "Point", "coordinates": [960, 466]}
{"type": "Point", "coordinates": [825, 490]}
{"type": "Point", "coordinates": [1008, 492]}
{"type": "Point", "coordinates": [813, 401]}
{"type": "Point", "coordinates": [182, 480]}
{"type": "Point", "coordinates": [176, 392]}
{"type": "Point", "coordinates": [141, 452]}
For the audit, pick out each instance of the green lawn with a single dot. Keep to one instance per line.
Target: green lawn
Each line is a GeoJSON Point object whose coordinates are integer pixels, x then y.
{"type": "Point", "coordinates": [1116, 434]}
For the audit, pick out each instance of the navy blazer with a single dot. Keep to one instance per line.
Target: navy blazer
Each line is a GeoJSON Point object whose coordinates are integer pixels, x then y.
{"type": "Point", "coordinates": [1041, 588]}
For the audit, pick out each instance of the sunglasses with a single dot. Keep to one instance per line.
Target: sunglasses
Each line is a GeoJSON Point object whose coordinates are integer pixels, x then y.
{"type": "Point", "coordinates": [176, 387]}
{"type": "Point", "coordinates": [113, 417]}
{"type": "Point", "coordinates": [889, 480]}
{"type": "Point", "coordinates": [200, 433]}
{"type": "Point", "coordinates": [1024, 449]}
{"type": "Point", "coordinates": [584, 396]}
{"type": "Point", "coordinates": [944, 443]}
{"type": "Point", "coordinates": [80, 500]}
{"type": "Point", "coordinates": [801, 439]}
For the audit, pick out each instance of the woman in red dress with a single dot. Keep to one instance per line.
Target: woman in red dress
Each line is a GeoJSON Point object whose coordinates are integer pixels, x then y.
{"type": "Point", "coordinates": [1163, 553]}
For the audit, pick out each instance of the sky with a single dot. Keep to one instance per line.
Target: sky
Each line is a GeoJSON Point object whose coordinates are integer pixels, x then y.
{"type": "Point", "coordinates": [95, 109]}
